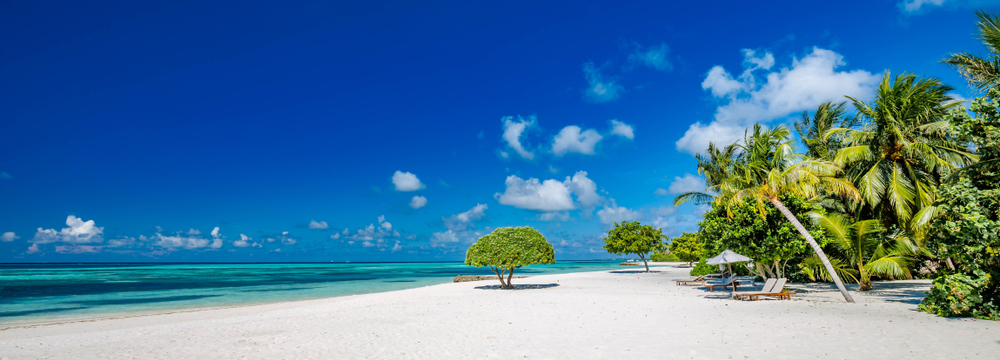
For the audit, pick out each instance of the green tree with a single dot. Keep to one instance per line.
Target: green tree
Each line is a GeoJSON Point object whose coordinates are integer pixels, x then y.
{"type": "Point", "coordinates": [981, 72]}
{"type": "Point", "coordinates": [902, 150]}
{"type": "Point", "coordinates": [509, 248]}
{"type": "Point", "coordinates": [630, 237]}
{"type": "Point", "coordinates": [866, 249]}
{"type": "Point", "coordinates": [715, 166]}
{"type": "Point", "coordinates": [768, 168]}
{"type": "Point", "coordinates": [769, 239]}
{"type": "Point", "coordinates": [687, 248]}
{"type": "Point", "coordinates": [812, 130]}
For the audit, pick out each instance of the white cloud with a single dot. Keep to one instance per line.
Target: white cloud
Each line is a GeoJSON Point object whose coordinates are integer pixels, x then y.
{"type": "Point", "coordinates": [512, 131]}
{"type": "Point", "coordinates": [614, 213]}
{"type": "Point", "coordinates": [78, 249]}
{"type": "Point", "coordinates": [78, 232]}
{"type": "Point", "coordinates": [179, 241]}
{"type": "Point", "coordinates": [245, 241]}
{"type": "Point", "coordinates": [600, 89]}
{"type": "Point", "coordinates": [571, 139]}
{"type": "Point", "coordinates": [550, 195]}
{"type": "Point", "coordinates": [622, 129]}
{"type": "Point", "coordinates": [367, 244]}
{"type": "Point", "coordinates": [9, 236]}
{"type": "Point", "coordinates": [653, 56]}
{"type": "Point", "coordinates": [915, 5]}
{"type": "Point", "coordinates": [664, 210]}
{"type": "Point", "coordinates": [660, 192]}
{"type": "Point", "coordinates": [346, 231]}
{"type": "Point", "coordinates": [320, 225]}
{"type": "Point", "coordinates": [552, 169]}
{"type": "Point", "coordinates": [397, 247]}
{"type": "Point", "coordinates": [553, 216]}
{"type": "Point", "coordinates": [584, 188]}
{"type": "Point", "coordinates": [444, 237]}
{"type": "Point", "coordinates": [405, 181]}
{"type": "Point", "coordinates": [531, 194]}
{"type": "Point", "coordinates": [461, 221]}
{"type": "Point", "coordinates": [418, 202]}
{"type": "Point", "coordinates": [660, 223]}
{"type": "Point", "coordinates": [33, 249]}
{"type": "Point", "coordinates": [194, 232]}
{"type": "Point", "coordinates": [335, 236]}
{"type": "Point", "coordinates": [216, 238]}
{"type": "Point", "coordinates": [804, 85]}
{"type": "Point", "coordinates": [125, 241]}
{"type": "Point", "coordinates": [686, 183]}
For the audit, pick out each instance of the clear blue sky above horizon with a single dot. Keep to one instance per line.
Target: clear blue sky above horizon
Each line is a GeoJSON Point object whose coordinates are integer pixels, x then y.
{"type": "Point", "coordinates": [403, 131]}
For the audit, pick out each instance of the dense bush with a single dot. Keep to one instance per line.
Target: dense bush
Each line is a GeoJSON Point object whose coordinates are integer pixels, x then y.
{"type": "Point", "coordinates": [509, 248]}
{"type": "Point", "coordinates": [664, 257]}
{"type": "Point", "coordinates": [961, 295]}
{"type": "Point", "coordinates": [687, 248]}
{"type": "Point", "coordinates": [701, 268]}
{"type": "Point", "coordinates": [762, 234]}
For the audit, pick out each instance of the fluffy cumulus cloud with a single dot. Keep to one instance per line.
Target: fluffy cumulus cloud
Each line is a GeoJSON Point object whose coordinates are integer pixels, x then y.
{"type": "Point", "coordinates": [78, 232]}
{"type": "Point", "coordinates": [513, 130]}
{"type": "Point", "coordinates": [318, 225]}
{"type": "Point", "coordinates": [759, 94]}
{"type": "Point", "coordinates": [660, 192]}
{"type": "Point", "coordinates": [461, 221]}
{"type": "Point", "coordinates": [335, 236]}
{"type": "Point", "coordinates": [372, 235]}
{"type": "Point", "coordinates": [9, 236]}
{"type": "Point", "coordinates": [179, 241]}
{"type": "Point", "coordinates": [549, 195]}
{"type": "Point", "coordinates": [573, 139]}
{"type": "Point", "coordinates": [216, 238]}
{"type": "Point", "coordinates": [614, 213]}
{"type": "Point", "coordinates": [622, 129]}
{"type": "Point", "coordinates": [418, 202]}
{"type": "Point", "coordinates": [653, 56]}
{"type": "Point", "coordinates": [245, 241]}
{"type": "Point", "coordinates": [600, 89]}
{"type": "Point", "coordinates": [194, 232]}
{"type": "Point", "coordinates": [405, 181]}
{"type": "Point", "coordinates": [686, 183]}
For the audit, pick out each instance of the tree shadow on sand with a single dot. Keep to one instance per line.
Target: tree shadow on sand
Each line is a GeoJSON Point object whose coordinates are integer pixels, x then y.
{"type": "Point", "coordinates": [518, 287]}
{"type": "Point", "coordinates": [633, 271]}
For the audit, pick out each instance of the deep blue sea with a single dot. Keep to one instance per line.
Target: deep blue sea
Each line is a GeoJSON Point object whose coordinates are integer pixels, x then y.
{"type": "Point", "coordinates": [30, 292]}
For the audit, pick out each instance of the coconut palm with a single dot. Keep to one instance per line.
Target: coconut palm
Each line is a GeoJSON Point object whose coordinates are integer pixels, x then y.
{"type": "Point", "coordinates": [899, 155]}
{"type": "Point", "coordinates": [812, 129]}
{"type": "Point", "coordinates": [867, 250]}
{"type": "Point", "coordinates": [767, 167]}
{"type": "Point", "coordinates": [714, 166]}
{"type": "Point", "coordinates": [981, 72]}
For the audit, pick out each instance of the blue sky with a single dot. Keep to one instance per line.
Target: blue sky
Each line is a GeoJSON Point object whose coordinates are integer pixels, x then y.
{"type": "Point", "coordinates": [387, 131]}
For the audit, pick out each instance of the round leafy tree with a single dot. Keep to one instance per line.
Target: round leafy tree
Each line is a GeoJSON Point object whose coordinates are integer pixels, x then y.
{"type": "Point", "coordinates": [509, 248]}
{"type": "Point", "coordinates": [633, 238]}
{"type": "Point", "coordinates": [687, 248]}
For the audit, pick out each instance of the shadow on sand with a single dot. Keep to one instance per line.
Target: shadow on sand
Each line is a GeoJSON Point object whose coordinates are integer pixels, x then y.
{"type": "Point", "coordinates": [633, 271]}
{"type": "Point", "coordinates": [518, 287]}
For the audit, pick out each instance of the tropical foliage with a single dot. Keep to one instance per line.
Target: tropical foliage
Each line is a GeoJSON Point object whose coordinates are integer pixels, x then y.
{"type": "Point", "coordinates": [687, 248]}
{"type": "Point", "coordinates": [510, 248]}
{"type": "Point", "coordinates": [771, 240]}
{"type": "Point", "coordinates": [864, 249]}
{"type": "Point", "coordinates": [631, 237]}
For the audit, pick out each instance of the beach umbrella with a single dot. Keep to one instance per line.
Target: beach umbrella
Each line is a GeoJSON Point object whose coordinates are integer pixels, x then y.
{"type": "Point", "coordinates": [727, 257]}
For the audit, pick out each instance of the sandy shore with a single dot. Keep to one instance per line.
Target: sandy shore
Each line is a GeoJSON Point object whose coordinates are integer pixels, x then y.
{"type": "Point", "coordinates": [602, 315]}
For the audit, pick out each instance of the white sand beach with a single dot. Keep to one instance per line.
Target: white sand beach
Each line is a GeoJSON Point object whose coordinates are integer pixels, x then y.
{"type": "Point", "coordinates": [596, 315]}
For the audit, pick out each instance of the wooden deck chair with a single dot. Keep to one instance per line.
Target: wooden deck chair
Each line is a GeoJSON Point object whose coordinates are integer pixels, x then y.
{"type": "Point", "coordinates": [729, 282]}
{"type": "Point", "coordinates": [768, 285]}
{"type": "Point", "coordinates": [698, 280]}
{"type": "Point", "coordinates": [777, 290]}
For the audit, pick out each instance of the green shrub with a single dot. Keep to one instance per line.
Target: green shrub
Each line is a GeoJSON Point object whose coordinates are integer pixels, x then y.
{"type": "Point", "coordinates": [704, 269]}
{"type": "Point", "coordinates": [509, 248]}
{"type": "Point", "coordinates": [687, 248]}
{"type": "Point", "coordinates": [664, 257]}
{"type": "Point", "coordinates": [630, 237]}
{"type": "Point", "coordinates": [959, 295]}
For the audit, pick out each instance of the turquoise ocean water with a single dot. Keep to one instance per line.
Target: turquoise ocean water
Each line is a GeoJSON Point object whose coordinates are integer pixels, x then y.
{"type": "Point", "coordinates": [35, 292]}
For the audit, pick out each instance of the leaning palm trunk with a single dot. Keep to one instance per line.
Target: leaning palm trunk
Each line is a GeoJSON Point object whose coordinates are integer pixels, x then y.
{"type": "Point", "coordinates": [812, 242]}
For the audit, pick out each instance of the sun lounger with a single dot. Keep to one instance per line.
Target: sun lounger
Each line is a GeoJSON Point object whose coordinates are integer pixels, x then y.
{"type": "Point", "coordinates": [768, 285]}
{"type": "Point", "coordinates": [698, 280]}
{"type": "Point", "coordinates": [725, 283]}
{"type": "Point", "coordinates": [778, 289]}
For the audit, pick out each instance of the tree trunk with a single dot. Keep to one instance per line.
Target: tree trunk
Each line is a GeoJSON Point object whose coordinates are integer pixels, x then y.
{"type": "Point", "coordinates": [643, 257]}
{"type": "Point", "coordinates": [499, 275]}
{"type": "Point", "coordinates": [819, 251]}
{"type": "Point", "coordinates": [510, 275]}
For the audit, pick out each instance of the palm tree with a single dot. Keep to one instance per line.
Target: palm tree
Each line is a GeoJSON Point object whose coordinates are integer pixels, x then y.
{"type": "Point", "coordinates": [812, 129]}
{"type": "Point", "coordinates": [867, 250]}
{"type": "Point", "coordinates": [982, 73]}
{"type": "Point", "coordinates": [715, 167]}
{"type": "Point", "coordinates": [898, 157]}
{"type": "Point", "coordinates": [767, 167]}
